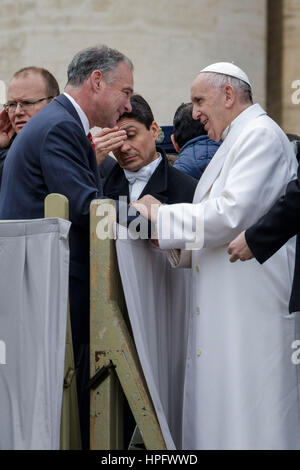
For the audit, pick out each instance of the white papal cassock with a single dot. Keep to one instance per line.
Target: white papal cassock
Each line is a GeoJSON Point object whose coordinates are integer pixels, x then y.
{"type": "Point", "coordinates": [241, 388]}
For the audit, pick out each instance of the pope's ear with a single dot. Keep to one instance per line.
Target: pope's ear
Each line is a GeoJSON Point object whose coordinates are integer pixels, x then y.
{"type": "Point", "coordinates": [230, 96]}
{"type": "Point", "coordinates": [154, 129]}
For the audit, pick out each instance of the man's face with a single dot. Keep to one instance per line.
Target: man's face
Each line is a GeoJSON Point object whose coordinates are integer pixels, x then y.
{"type": "Point", "coordinates": [139, 148]}
{"type": "Point", "coordinates": [28, 88]}
{"type": "Point", "coordinates": [208, 106]}
{"type": "Point", "coordinates": [114, 97]}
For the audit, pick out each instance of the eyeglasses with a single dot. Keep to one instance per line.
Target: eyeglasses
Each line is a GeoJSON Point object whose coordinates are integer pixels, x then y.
{"type": "Point", "coordinates": [25, 105]}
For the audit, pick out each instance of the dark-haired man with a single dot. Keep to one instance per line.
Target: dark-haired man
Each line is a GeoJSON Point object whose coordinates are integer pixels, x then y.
{"type": "Point", "coordinates": [191, 142]}
{"type": "Point", "coordinates": [29, 90]}
{"type": "Point", "coordinates": [143, 168]}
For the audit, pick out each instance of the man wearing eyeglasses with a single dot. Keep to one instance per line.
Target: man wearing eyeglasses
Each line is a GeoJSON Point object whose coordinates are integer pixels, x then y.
{"type": "Point", "coordinates": [29, 90]}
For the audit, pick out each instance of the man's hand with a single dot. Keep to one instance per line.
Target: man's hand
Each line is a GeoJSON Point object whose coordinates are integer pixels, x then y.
{"type": "Point", "coordinates": [148, 207]}
{"type": "Point", "coordinates": [108, 140]}
{"type": "Point", "coordinates": [238, 249]}
{"type": "Point", "coordinates": [6, 130]}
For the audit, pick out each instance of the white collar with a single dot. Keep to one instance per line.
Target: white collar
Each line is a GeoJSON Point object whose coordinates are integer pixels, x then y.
{"type": "Point", "coordinates": [83, 117]}
{"type": "Point", "coordinates": [149, 169]}
{"type": "Point", "coordinates": [225, 133]}
{"type": "Point", "coordinates": [240, 116]}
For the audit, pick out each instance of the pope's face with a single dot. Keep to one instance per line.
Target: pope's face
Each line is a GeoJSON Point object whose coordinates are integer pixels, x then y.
{"type": "Point", "coordinates": [209, 107]}
{"type": "Point", "coordinates": [139, 148]}
{"type": "Point", "coordinates": [114, 99]}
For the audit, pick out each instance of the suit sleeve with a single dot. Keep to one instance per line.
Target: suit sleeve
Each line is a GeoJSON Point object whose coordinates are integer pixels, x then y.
{"type": "Point", "coordinates": [67, 169]}
{"type": "Point", "coordinates": [278, 225]}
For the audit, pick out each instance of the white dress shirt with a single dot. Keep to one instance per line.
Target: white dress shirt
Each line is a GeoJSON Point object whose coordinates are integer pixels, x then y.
{"type": "Point", "coordinates": [83, 117]}
{"type": "Point", "coordinates": [137, 180]}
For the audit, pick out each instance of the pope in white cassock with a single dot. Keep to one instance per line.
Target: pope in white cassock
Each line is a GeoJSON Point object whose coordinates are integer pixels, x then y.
{"type": "Point", "coordinates": [241, 389]}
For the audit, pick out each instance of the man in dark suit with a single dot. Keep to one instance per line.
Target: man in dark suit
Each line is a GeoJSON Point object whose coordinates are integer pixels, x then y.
{"type": "Point", "coordinates": [143, 168]}
{"type": "Point", "coordinates": [271, 232]}
{"type": "Point", "coordinates": [53, 154]}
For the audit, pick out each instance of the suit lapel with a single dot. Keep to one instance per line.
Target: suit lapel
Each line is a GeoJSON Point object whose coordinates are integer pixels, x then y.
{"type": "Point", "coordinates": [116, 184]}
{"type": "Point", "coordinates": [66, 103]}
{"type": "Point", "coordinates": [213, 169]}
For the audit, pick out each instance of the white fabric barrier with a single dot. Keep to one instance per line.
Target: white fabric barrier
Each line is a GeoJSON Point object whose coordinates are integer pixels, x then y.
{"type": "Point", "coordinates": [158, 306]}
{"type": "Point", "coordinates": [34, 260]}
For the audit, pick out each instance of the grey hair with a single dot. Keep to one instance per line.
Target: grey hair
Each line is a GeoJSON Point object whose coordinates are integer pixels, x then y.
{"type": "Point", "coordinates": [101, 58]}
{"type": "Point", "coordinates": [219, 80]}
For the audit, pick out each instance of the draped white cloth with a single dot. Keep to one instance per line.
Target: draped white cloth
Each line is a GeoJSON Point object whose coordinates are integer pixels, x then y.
{"type": "Point", "coordinates": [156, 302]}
{"type": "Point", "coordinates": [34, 260]}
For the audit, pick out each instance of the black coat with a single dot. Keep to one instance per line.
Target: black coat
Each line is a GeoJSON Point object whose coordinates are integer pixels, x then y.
{"type": "Point", "coordinates": [168, 185]}
{"type": "Point", "coordinates": [275, 228]}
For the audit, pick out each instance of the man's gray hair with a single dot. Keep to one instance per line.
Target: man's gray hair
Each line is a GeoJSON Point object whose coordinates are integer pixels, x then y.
{"type": "Point", "coordinates": [101, 58]}
{"type": "Point", "coordinates": [219, 80]}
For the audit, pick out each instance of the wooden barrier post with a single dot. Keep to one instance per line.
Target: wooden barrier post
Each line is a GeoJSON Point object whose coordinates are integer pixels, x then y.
{"type": "Point", "coordinates": [57, 205]}
{"type": "Point", "coordinates": [113, 357]}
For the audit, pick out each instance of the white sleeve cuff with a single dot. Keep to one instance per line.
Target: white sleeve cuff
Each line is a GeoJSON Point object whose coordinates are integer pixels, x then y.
{"type": "Point", "coordinates": [181, 226]}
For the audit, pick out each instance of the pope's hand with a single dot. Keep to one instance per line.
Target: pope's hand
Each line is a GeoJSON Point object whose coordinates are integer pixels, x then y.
{"type": "Point", "coordinates": [6, 130]}
{"type": "Point", "coordinates": [238, 249]}
{"type": "Point", "coordinates": [108, 140]}
{"type": "Point", "coordinates": [148, 207]}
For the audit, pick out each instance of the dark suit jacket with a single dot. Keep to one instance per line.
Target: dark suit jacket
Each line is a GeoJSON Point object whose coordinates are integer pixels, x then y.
{"type": "Point", "coordinates": [53, 155]}
{"type": "Point", "coordinates": [275, 228]}
{"type": "Point", "coordinates": [106, 167]}
{"type": "Point", "coordinates": [168, 185]}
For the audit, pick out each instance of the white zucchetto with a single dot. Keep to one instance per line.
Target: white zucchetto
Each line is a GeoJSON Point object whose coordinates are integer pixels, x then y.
{"type": "Point", "coordinates": [226, 68]}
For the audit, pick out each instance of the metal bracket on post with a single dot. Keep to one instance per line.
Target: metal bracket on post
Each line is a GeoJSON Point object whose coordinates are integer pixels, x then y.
{"type": "Point", "coordinates": [100, 376]}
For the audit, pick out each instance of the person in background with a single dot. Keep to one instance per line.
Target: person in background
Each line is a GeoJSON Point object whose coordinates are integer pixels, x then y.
{"type": "Point", "coordinates": [191, 142]}
{"type": "Point", "coordinates": [29, 90]}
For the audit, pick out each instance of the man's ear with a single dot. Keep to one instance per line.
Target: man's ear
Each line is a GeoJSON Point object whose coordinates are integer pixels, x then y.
{"type": "Point", "coordinates": [230, 96]}
{"type": "Point", "coordinates": [175, 145]}
{"type": "Point", "coordinates": [154, 129]}
{"type": "Point", "coordinates": [96, 80]}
